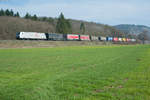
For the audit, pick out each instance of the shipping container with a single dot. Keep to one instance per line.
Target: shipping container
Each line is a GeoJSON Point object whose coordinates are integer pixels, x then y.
{"type": "Point", "coordinates": [109, 38]}
{"type": "Point", "coordinates": [127, 40]}
{"type": "Point", "coordinates": [32, 35]}
{"type": "Point", "coordinates": [124, 39]}
{"type": "Point", "coordinates": [133, 40]}
{"type": "Point", "coordinates": [115, 39]}
{"type": "Point", "coordinates": [120, 39]}
{"type": "Point", "coordinates": [94, 38]}
{"type": "Point", "coordinates": [84, 37]}
{"type": "Point", "coordinates": [72, 37]}
{"type": "Point", "coordinates": [102, 38]}
{"type": "Point", "coordinates": [55, 37]}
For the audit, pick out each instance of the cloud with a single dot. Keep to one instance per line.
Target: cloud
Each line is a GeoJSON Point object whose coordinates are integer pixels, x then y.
{"type": "Point", "coordinates": [108, 11]}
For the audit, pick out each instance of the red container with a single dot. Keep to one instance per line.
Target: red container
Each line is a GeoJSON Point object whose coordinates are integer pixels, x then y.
{"type": "Point", "coordinates": [115, 39]}
{"type": "Point", "coordinates": [72, 37]}
{"type": "Point", "coordinates": [85, 37]}
{"type": "Point", "coordinates": [128, 40]}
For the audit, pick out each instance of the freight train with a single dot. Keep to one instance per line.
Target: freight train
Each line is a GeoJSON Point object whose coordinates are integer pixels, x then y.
{"type": "Point", "coordinates": [68, 37]}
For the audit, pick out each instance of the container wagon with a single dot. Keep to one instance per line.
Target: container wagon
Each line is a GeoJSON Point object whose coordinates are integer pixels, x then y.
{"type": "Point", "coordinates": [73, 37]}
{"type": "Point", "coordinates": [84, 37]}
{"type": "Point", "coordinates": [110, 39]}
{"type": "Point", "coordinates": [102, 38]}
{"type": "Point", "coordinates": [115, 39]}
{"type": "Point", "coordinates": [55, 36]}
{"type": "Point", "coordinates": [94, 38]}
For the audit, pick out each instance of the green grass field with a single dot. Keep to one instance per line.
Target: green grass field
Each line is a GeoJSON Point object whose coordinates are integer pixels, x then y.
{"type": "Point", "coordinates": [76, 73]}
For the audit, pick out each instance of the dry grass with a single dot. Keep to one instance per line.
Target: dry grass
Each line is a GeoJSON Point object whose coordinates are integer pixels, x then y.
{"type": "Point", "coordinates": [33, 44]}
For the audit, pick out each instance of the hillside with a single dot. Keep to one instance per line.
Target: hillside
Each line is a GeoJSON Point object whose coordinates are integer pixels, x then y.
{"type": "Point", "coordinates": [93, 28]}
{"type": "Point", "coordinates": [10, 25]}
{"type": "Point", "coordinates": [132, 29]}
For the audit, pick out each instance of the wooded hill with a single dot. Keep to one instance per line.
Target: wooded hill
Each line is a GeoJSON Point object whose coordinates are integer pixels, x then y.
{"type": "Point", "coordinates": [11, 23]}
{"type": "Point", "coordinates": [133, 29]}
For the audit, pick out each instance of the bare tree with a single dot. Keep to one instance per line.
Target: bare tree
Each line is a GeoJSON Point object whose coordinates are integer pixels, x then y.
{"type": "Point", "coordinates": [143, 36]}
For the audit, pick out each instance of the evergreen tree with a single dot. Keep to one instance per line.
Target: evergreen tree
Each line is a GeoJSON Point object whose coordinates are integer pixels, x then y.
{"type": "Point", "coordinates": [11, 13]}
{"type": "Point", "coordinates": [82, 28]}
{"type": "Point", "coordinates": [63, 25]}
{"type": "Point", "coordinates": [27, 16]}
{"type": "Point", "coordinates": [2, 13]}
{"type": "Point", "coordinates": [7, 12]}
{"type": "Point", "coordinates": [17, 14]}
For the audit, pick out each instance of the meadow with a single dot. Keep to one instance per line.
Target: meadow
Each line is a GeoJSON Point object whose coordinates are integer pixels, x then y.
{"type": "Point", "coordinates": [76, 73]}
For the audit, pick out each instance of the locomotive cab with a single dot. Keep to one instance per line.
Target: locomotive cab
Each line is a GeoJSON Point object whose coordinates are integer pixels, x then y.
{"type": "Point", "coordinates": [18, 35]}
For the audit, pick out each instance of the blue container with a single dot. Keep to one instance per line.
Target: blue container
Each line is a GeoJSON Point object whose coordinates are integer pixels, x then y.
{"type": "Point", "coordinates": [109, 38]}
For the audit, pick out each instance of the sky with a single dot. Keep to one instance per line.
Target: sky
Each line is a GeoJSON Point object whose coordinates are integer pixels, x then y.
{"type": "Point", "coordinates": [111, 12]}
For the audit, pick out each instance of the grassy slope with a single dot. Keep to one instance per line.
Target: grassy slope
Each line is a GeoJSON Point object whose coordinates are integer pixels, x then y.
{"type": "Point", "coordinates": [75, 73]}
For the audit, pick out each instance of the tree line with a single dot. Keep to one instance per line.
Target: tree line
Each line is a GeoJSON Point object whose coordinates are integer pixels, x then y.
{"type": "Point", "coordinates": [63, 25]}
{"type": "Point", "coordinates": [8, 12]}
